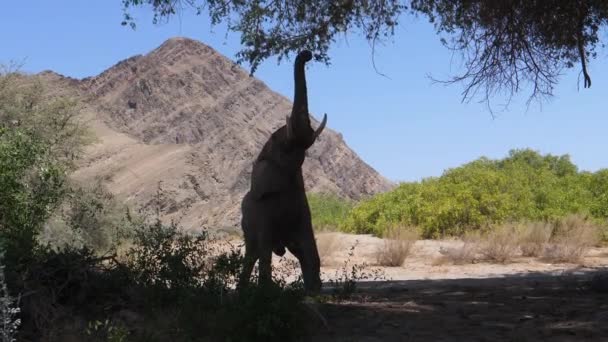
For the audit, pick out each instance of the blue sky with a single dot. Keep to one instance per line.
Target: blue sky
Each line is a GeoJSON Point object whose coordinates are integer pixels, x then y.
{"type": "Point", "coordinates": [405, 126]}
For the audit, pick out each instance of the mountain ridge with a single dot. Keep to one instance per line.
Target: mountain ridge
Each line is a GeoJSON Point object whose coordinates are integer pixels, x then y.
{"type": "Point", "coordinates": [185, 115]}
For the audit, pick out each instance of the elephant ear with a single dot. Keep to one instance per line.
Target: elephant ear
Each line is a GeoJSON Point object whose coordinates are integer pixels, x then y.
{"type": "Point", "coordinates": [267, 178]}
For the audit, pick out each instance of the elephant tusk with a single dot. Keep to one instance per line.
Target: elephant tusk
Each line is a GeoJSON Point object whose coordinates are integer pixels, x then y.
{"type": "Point", "coordinates": [320, 128]}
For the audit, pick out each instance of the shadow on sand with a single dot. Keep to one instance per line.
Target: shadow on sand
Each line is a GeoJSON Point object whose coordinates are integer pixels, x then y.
{"type": "Point", "coordinates": [521, 307]}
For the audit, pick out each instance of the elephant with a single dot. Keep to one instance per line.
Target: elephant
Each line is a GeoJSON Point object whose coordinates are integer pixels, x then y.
{"type": "Point", "coordinates": [275, 211]}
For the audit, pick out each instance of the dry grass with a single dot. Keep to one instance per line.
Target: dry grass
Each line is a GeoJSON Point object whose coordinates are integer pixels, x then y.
{"type": "Point", "coordinates": [398, 243]}
{"type": "Point", "coordinates": [533, 238]}
{"type": "Point", "coordinates": [572, 238]}
{"type": "Point", "coordinates": [500, 244]}
{"type": "Point", "coordinates": [464, 254]}
{"type": "Point", "coordinates": [566, 240]}
{"type": "Point", "coordinates": [326, 246]}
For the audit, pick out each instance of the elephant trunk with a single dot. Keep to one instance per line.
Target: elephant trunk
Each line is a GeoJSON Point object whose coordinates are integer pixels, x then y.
{"type": "Point", "coordinates": [299, 112]}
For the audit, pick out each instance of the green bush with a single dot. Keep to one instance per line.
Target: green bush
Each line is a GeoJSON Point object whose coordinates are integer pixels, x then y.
{"type": "Point", "coordinates": [523, 186]}
{"type": "Point", "coordinates": [31, 186]}
{"type": "Point", "coordinates": [168, 276]}
{"type": "Point", "coordinates": [39, 141]}
{"type": "Point", "coordinates": [164, 274]}
{"type": "Point", "coordinates": [328, 211]}
{"type": "Point", "coordinates": [89, 216]}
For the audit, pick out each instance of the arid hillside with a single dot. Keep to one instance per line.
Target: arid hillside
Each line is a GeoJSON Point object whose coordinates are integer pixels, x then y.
{"type": "Point", "coordinates": [187, 116]}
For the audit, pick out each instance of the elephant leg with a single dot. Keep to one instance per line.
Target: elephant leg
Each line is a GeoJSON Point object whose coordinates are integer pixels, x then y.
{"type": "Point", "coordinates": [304, 248]}
{"type": "Point", "coordinates": [265, 269]}
{"type": "Point", "coordinates": [251, 256]}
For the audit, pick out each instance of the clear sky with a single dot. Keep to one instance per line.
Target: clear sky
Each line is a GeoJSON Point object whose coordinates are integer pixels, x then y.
{"type": "Point", "coordinates": [404, 126]}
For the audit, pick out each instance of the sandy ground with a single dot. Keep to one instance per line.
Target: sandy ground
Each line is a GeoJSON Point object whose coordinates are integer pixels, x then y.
{"type": "Point", "coordinates": [424, 262]}
{"type": "Point", "coordinates": [425, 300]}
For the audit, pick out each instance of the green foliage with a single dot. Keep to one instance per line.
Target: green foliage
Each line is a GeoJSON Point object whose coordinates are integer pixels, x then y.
{"type": "Point", "coordinates": [89, 216]}
{"type": "Point", "coordinates": [39, 139]}
{"type": "Point", "coordinates": [164, 273]}
{"type": "Point", "coordinates": [271, 28]}
{"type": "Point", "coordinates": [517, 44]}
{"type": "Point", "coordinates": [178, 281]}
{"type": "Point", "coordinates": [598, 185]}
{"type": "Point", "coordinates": [164, 257]}
{"type": "Point", "coordinates": [328, 210]}
{"type": "Point", "coordinates": [177, 270]}
{"type": "Point", "coordinates": [107, 331]}
{"type": "Point", "coordinates": [506, 46]}
{"type": "Point", "coordinates": [26, 104]}
{"type": "Point", "coordinates": [523, 186]}
{"type": "Point", "coordinates": [263, 314]}
{"type": "Point", "coordinates": [31, 185]}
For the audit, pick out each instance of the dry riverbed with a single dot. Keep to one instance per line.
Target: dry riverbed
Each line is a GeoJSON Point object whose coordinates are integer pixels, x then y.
{"type": "Point", "coordinates": [429, 299]}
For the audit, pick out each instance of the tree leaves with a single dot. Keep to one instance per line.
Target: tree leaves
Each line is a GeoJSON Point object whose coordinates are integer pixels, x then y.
{"type": "Point", "coordinates": [506, 46]}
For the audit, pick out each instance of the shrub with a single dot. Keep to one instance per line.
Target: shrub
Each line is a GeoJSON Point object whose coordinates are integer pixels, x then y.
{"type": "Point", "coordinates": [328, 211]}
{"type": "Point", "coordinates": [397, 245]}
{"type": "Point", "coordinates": [463, 254]}
{"type": "Point", "coordinates": [165, 276]}
{"type": "Point", "coordinates": [500, 243]}
{"type": "Point", "coordinates": [97, 216]}
{"type": "Point", "coordinates": [170, 264]}
{"type": "Point", "coordinates": [571, 239]}
{"type": "Point", "coordinates": [533, 238]}
{"type": "Point", "coordinates": [31, 186]}
{"type": "Point", "coordinates": [40, 138]}
{"type": "Point", "coordinates": [524, 186]}
{"type": "Point", "coordinates": [107, 331]}
{"type": "Point", "coordinates": [89, 216]}
{"type": "Point", "coordinates": [165, 272]}
{"type": "Point", "coordinates": [166, 257]}
{"type": "Point", "coordinates": [344, 282]}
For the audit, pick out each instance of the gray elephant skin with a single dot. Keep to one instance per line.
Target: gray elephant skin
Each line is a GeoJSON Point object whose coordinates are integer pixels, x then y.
{"type": "Point", "coordinates": [275, 211]}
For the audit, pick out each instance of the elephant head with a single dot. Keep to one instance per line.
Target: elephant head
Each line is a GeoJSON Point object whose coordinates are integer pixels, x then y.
{"type": "Point", "coordinates": [283, 154]}
{"type": "Point", "coordinates": [275, 211]}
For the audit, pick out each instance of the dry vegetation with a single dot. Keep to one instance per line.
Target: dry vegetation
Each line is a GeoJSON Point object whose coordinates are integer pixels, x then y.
{"type": "Point", "coordinates": [463, 254]}
{"type": "Point", "coordinates": [397, 245]}
{"type": "Point", "coordinates": [571, 239]}
{"type": "Point", "coordinates": [326, 245]}
{"type": "Point", "coordinates": [566, 240]}
{"type": "Point", "coordinates": [500, 243]}
{"type": "Point", "coordinates": [534, 237]}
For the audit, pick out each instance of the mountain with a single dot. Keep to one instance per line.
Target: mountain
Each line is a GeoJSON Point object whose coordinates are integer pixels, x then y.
{"type": "Point", "coordinates": [187, 116]}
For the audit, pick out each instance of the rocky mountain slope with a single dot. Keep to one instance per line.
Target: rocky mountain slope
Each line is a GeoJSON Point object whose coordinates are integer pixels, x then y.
{"type": "Point", "coordinates": [187, 116]}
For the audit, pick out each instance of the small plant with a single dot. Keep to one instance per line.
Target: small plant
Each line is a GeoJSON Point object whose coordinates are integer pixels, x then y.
{"type": "Point", "coordinates": [500, 244]}
{"type": "Point", "coordinates": [463, 254]}
{"type": "Point", "coordinates": [345, 280]}
{"type": "Point", "coordinates": [107, 331]}
{"type": "Point", "coordinates": [572, 237]}
{"type": "Point", "coordinates": [533, 238]}
{"type": "Point", "coordinates": [397, 245]}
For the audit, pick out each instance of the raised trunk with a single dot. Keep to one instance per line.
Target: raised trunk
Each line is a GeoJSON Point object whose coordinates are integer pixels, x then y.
{"type": "Point", "coordinates": [299, 112]}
